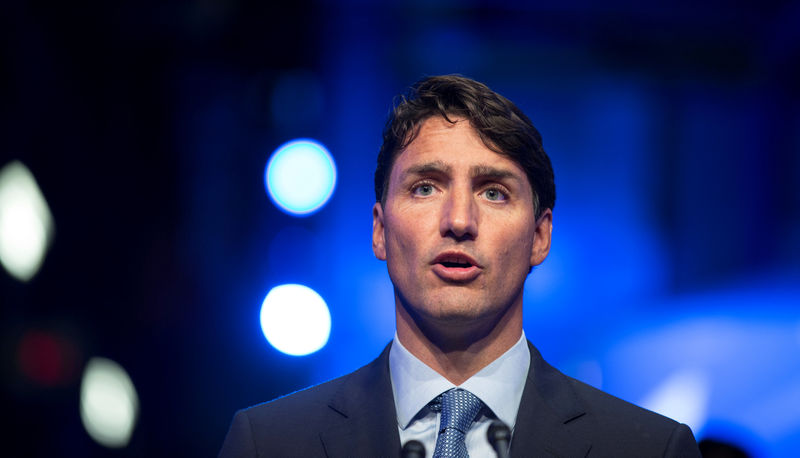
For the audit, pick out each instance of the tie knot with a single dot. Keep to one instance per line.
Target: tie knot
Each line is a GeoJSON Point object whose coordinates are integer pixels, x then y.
{"type": "Point", "coordinates": [459, 408]}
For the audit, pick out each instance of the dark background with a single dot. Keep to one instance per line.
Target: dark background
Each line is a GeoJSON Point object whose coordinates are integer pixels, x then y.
{"type": "Point", "coordinates": [674, 130]}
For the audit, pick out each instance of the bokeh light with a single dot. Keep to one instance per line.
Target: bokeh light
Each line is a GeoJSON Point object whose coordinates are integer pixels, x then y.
{"type": "Point", "coordinates": [109, 404]}
{"type": "Point", "coordinates": [295, 319]}
{"type": "Point", "coordinates": [684, 396]}
{"type": "Point", "coordinates": [47, 358]}
{"type": "Point", "coordinates": [26, 224]}
{"type": "Point", "coordinates": [300, 177]}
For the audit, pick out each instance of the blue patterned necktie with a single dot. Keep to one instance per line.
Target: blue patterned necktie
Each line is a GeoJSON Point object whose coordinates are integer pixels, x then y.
{"type": "Point", "coordinates": [459, 408]}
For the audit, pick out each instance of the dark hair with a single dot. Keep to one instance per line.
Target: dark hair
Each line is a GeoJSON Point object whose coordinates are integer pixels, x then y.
{"type": "Point", "coordinates": [502, 126]}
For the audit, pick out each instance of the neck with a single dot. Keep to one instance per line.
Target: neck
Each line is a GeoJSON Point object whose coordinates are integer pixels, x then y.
{"type": "Point", "coordinates": [459, 351]}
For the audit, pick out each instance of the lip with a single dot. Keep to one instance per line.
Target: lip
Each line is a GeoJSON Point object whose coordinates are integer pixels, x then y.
{"type": "Point", "coordinates": [456, 274]}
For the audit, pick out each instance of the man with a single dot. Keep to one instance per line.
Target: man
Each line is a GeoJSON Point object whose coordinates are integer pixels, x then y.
{"type": "Point", "coordinates": [465, 194]}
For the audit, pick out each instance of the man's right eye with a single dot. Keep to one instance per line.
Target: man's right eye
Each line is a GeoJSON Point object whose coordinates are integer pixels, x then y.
{"type": "Point", "coordinates": [423, 189]}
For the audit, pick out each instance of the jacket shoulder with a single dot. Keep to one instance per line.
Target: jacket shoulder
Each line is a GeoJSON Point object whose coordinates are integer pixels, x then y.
{"type": "Point", "coordinates": [295, 424]}
{"type": "Point", "coordinates": [563, 416]}
{"type": "Point", "coordinates": [284, 408]}
{"type": "Point", "coordinates": [611, 408]}
{"type": "Point", "coordinates": [621, 425]}
{"type": "Point", "coordinates": [284, 426]}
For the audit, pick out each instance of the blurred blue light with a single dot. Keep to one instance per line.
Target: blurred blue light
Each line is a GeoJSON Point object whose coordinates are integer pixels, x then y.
{"type": "Point", "coordinates": [300, 177]}
{"type": "Point", "coordinates": [295, 319]}
{"type": "Point", "coordinates": [684, 396]}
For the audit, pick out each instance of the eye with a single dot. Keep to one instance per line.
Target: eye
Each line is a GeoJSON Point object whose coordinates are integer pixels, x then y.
{"type": "Point", "coordinates": [494, 194]}
{"type": "Point", "coordinates": [422, 189]}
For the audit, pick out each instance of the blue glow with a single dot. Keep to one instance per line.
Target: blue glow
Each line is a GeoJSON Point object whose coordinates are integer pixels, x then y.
{"type": "Point", "coordinates": [300, 177]}
{"type": "Point", "coordinates": [295, 319]}
{"type": "Point", "coordinates": [724, 357]}
{"type": "Point", "coordinates": [684, 396]}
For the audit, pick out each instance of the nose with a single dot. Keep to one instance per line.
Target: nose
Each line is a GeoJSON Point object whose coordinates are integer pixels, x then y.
{"type": "Point", "coordinates": [459, 215]}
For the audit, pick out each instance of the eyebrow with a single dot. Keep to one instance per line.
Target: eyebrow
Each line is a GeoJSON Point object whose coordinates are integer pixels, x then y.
{"type": "Point", "coordinates": [477, 171]}
{"type": "Point", "coordinates": [429, 167]}
{"type": "Point", "coordinates": [488, 171]}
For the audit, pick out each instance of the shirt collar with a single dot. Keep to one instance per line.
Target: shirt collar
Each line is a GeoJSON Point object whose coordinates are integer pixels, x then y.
{"type": "Point", "coordinates": [499, 385]}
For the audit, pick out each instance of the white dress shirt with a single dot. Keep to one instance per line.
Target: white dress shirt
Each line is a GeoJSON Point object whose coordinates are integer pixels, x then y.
{"type": "Point", "coordinates": [499, 385]}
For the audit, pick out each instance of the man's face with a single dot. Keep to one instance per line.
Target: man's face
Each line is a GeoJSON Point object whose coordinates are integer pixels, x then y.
{"type": "Point", "coordinates": [458, 230]}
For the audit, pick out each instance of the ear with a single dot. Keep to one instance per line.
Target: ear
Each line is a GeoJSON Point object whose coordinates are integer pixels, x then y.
{"type": "Point", "coordinates": [541, 237]}
{"type": "Point", "coordinates": [378, 235]}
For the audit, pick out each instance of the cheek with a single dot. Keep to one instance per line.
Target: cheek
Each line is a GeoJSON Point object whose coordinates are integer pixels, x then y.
{"type": "Point", "coordinates": [400, 246]}
{"type": "Point", "coordinates": [405, 231]}
{"type": "Point", "coordinates": [516, 250]}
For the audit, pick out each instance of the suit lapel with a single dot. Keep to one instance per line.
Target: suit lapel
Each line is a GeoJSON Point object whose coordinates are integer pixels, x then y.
{"type": "Point", "coordinates": [549, 422]}
{"type": "Point", "coordinates": [365, 420]}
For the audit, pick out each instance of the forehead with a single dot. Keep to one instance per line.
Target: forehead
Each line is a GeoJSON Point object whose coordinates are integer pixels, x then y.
{"type": "Point", "coordinates": [455, 146]}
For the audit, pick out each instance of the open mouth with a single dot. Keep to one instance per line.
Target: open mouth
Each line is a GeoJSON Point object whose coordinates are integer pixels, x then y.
{"type": "Point", "coordinates": [454, 260]}
{"type": "Point", "coordinates": [450, 264]}
{"type": "Point", "coordinates": [456, 267]}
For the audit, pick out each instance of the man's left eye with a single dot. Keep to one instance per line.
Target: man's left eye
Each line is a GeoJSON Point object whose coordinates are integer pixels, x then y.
{"type": "Point", "coordinates": [494, 194]}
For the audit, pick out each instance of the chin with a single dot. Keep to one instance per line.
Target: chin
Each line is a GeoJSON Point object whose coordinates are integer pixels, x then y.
{"type": "Point", "coordinates": [459, 310]}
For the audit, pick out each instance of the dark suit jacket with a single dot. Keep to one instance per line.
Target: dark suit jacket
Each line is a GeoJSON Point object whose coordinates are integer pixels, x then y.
{"type": "Point", "coordinates": [354, 416]}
